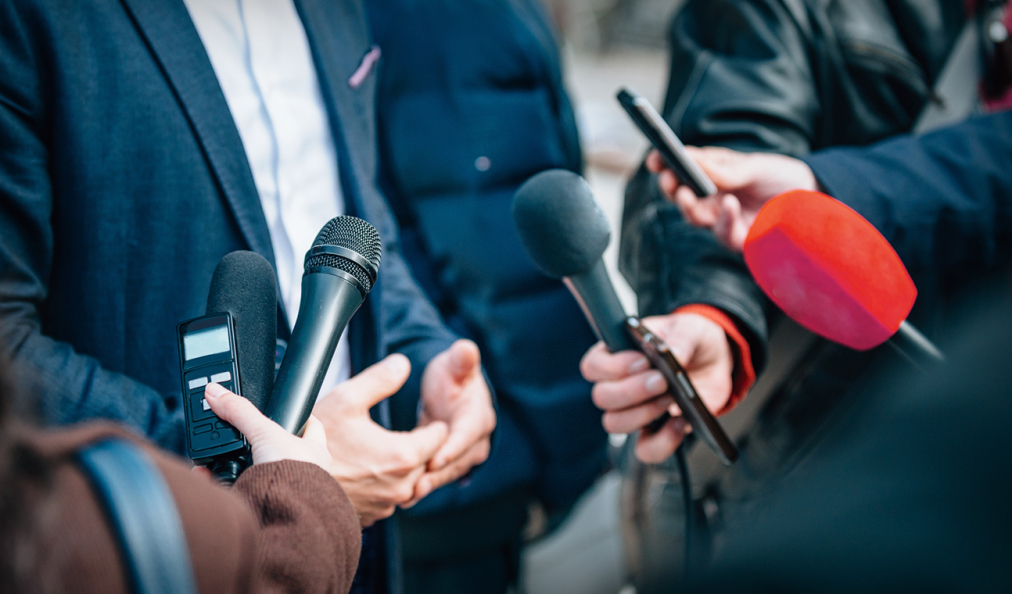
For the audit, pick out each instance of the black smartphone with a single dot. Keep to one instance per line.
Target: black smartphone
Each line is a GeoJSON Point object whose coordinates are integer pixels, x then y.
{"type": "Point", "coordinates": [682, 390]}
{"type": "Point", "coordinates": [666, 142]}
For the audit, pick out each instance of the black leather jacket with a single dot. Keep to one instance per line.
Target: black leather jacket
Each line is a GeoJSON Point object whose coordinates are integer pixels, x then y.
{"type": "Point", "coordinates": [788, 76]}
{"type": "Point", "coordinates": [794, 76]}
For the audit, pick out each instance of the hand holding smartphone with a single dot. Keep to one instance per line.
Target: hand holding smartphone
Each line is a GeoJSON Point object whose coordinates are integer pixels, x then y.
{"type": "Point", "coordinates": [666, 142]}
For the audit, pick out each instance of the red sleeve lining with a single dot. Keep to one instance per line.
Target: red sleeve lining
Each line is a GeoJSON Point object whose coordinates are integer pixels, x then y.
{"type": "Point", "coordinates": [743, 375]}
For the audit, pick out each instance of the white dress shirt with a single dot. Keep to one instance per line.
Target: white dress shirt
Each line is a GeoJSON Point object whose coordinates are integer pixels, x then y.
{"type": "Point", "coordinates": [262, 60]}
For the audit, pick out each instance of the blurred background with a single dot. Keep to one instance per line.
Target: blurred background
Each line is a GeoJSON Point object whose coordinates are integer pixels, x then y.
{"type": "Point", "coordinates": [607, 44]}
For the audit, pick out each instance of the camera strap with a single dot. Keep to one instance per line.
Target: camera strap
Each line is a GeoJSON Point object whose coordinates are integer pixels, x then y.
{"type": "Point", "coordinates": [144, 517]}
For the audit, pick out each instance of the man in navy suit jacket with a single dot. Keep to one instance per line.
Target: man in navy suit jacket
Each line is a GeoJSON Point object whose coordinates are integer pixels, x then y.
{"type": "Point", "coordinates": [123, 181]}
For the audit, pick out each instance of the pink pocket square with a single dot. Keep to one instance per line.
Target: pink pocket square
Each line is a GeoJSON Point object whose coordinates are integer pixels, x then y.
{"type": "Point", "coordinates": [365, 67]}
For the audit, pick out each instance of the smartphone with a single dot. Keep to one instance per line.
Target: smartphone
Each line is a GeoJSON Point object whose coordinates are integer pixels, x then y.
{"type": "Point", "coordinates": [666, 142]}
{"type": "Point", "coordinates": [684, 393]}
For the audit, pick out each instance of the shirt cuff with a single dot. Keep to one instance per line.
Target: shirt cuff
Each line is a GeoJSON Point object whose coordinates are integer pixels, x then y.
{"type": "Point", "coordinates": [743, 375]}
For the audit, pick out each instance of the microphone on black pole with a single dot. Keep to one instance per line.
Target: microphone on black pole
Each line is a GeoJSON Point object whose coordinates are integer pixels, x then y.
{"type": "Point", "coordinates": [340, 270]}
{"type": "Point", "coordinates": [565, 233]}
{"type": "Point", "coordinates": [830, 270]}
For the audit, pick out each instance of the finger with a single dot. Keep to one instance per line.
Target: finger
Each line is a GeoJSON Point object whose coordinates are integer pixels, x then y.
{"type": "Point", "coordinates": [721, 165]}
{"type": "Point", "coordinates": [374, 384]}
{"type": "Point", "coordinates": [657, 447]}
{"type": "Point", "coordinates": [668, 182]}
{"type": "Point", "coordinates": [729, 225]}
{"type": "Point", "coordinates": [315, 431]}
{"type": "Point", "coordinates": [421, 443]}
{"type": "Point", "coordinates": [684, 333]}
{"type": "Point", "coordinates": [470, 427]}
{"type": "Point", "coordinates": [738, 228]}
{"type": "Point", "coordinates": [464, 360]}
{"type": "Point", "coordinates": [203, 471]}
{"type": "Point", "coordinates": [631, 391]}
{"type": "Point", "coordinates": [699, 213]}
{"type": "Point", "coordinates": [430, 481]}
{"type": "Point", "coordinates": [240, 413]}
{"type": "Point", "coordinates": [655, 162]}
{"type": "Point", "coordinates": [637, 417]}
{"type": "Point", "coordinates": [598, 364]}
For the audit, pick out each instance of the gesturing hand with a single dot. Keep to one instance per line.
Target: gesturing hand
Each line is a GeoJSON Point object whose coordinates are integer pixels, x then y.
{"type": "Point", "coordinates": [745, 182]}
{"type": "Point", "coordinates": [454, 392]}
{"type": "Point", "coordinates": [377, 468]}
{"type": "Point", "coordinates": [626, 387]}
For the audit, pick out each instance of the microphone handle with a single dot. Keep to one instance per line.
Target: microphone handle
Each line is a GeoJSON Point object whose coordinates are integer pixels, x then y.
{"type": "Point", "coordinates": [596, 295]}
{"type": "Point", "coordinates": [328, 303]}
{"type": "Point", "coordinates": [915, 347]}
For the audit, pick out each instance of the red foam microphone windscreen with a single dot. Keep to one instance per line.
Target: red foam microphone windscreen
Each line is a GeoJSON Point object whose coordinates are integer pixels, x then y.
{"type": "Point", "coordinates": [829, 269]}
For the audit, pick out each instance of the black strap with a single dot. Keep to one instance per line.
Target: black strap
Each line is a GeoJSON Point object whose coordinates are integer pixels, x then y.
{"type": "Point", "coordinates": [142, 511]}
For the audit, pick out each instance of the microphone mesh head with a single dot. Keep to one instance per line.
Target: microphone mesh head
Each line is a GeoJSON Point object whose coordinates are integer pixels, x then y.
{"type": "Point", "coordinates": [354, 234]}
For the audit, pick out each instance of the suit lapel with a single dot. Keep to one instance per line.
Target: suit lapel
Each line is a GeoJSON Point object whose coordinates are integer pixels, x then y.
{"type": "Point", "coordinates": [339, 41]}
{"type": "Point", "coordinates": [176, 45]}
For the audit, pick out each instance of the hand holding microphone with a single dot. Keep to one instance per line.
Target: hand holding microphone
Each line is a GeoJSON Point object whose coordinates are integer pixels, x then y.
{"type": "Point", "coordinates": [565, 233]}
{"type": "Point", "coordinates": [820, 261]}
{"type": "Point", "coordinates": [631, 393]}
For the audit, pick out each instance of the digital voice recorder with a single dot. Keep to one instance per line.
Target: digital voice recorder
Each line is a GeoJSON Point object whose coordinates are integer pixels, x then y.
{"type": "Point", "coordinates": [207, 353]}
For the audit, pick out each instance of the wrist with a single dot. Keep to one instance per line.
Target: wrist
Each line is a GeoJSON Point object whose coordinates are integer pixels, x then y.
{"type": "Point", "coordinates": [743, 374]}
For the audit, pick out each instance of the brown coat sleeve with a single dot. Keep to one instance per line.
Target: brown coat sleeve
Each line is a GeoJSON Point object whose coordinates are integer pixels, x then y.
{"type": "Point", "coordinates": [285, 526]}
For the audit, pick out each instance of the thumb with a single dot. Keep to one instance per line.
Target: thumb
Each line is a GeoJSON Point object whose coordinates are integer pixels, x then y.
{"type": "Point", "coordinates": [315, 431]}
{"type": "Point", "coordinates": [376, 383]}
{"type": "Point", "coordinates": [464, 359]}
{"type": "Point", "coordinates": [730, 228]}
{"type": "Point", "coordinates": [239, 412]}
{"type": "Point", "coordinates": [719, 164]}
{"type": "Point", "coordinates": [739, 228]}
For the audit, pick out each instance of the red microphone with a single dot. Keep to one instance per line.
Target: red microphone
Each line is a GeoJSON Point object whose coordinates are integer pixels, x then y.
{"type": "Point", "coordinates": [831, 271]}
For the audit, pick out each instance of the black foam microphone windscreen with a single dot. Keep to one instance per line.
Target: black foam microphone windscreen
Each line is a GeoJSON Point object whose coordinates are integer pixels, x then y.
{"type": "Point", "coordinates": [561, 227]}
{"type": "Point", "coordinates": [244, 286]}
{"type": "Point", "coordinates": [565, 233]}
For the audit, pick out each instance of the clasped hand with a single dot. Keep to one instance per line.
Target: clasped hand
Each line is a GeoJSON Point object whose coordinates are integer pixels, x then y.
{"type": "Point", "coordinates": [381, 469]}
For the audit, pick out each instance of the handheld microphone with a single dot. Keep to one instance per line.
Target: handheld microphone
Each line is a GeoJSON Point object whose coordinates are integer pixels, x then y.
{"type": "Point", "coordinates": [340, 270]}
{"type": "Point", "coordinates": [232, 345]}
{"type": "Point", "coordinates": [244, 285]}
{"type": "Point", "coordinates": [565, 233]}
{"type": "Point", "coordinates": [831, 271]}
